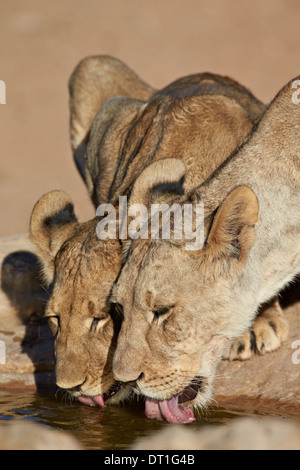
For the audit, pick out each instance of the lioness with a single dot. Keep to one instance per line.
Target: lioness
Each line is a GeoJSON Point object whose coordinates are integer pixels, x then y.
{"type": "Point", "coordinates": [200, 119]}
{"type": "Point", "coordinates": [182, 309]}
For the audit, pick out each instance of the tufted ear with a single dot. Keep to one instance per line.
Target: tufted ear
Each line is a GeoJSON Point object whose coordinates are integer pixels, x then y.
{"type": "Point", "coordinates": [232, 232]}
{"type": "Point", "coordinates": [52, 222]}
{"type": "Point", "coordinates": [95, 80]}
{"type": "Point", "coordinates": [162, 176]}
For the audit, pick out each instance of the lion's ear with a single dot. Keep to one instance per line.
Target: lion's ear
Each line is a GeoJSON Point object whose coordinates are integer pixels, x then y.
{"type": "Point", "coordinates": [232, 232]}
{"type": "Point", "coordinates": [161, 180]}
{"type": "Point", "coordinates": [160, 177]}
{"type": "Point", "coordinates": [52, 222]}
{"type": "Point", "coordinates": [95, 80]}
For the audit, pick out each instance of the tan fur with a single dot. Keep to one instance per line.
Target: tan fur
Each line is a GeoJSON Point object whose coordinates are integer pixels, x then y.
{"type": "Point", "coordinates": [236, 217]}
{"type": "Point", "coordinates": [267, 333]}
{"type": "Point", "coordinates": [198, 119]}
{"type": "Point", "coordinates": [211, 297]}
{"type": "Point", "coordinates": [95, 80]}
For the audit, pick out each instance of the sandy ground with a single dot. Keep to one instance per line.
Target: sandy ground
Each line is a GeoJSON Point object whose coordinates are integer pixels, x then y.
{"type": "Point", "coordinates": [254, 41]}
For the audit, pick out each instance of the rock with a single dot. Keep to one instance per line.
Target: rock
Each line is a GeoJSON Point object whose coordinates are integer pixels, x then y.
{"type": "Point", "coordinates": [21, 290]}
{"type": "Point", "coordinates": [24, 435]}
{"type": "Point", "coordinates": [20, 282]}
{"type": "Point", "coordinates": [240, 434]}
{"type": "Point", "coordinates": [26, 342]}
{"type": "Point", "coordinates": [270, 381]}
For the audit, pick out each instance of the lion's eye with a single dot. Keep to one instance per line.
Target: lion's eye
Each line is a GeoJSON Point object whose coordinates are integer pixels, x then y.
{"type": "Point", "coordinates": [54, 323]}
{"type": "Point", "coordinates": [98, 322]}
{"type": "Point", "coordinates": [94, 323]}
{"type": "Point", "coordinates": [161, 310]}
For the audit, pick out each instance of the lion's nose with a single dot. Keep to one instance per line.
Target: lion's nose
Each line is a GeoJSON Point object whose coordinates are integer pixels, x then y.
{"type": "Point", "coordinates": [129, 358]}
{"type": "Point", "coordinates": [140, 377]}
{"type": "Point", "coordinates": [127, 375]}
{"type": "Point", "coordinates": [70, 387]}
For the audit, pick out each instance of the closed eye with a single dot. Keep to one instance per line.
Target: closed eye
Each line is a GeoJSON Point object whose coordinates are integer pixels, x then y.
{"type": "Point", "coordinates": [160, 311]}
{"type": "Point", "coordinates": [98, 323]}
{"type": "Point", "coordinates": [94, 323]}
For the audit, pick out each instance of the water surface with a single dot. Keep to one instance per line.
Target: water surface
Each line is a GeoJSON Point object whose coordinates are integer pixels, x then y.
{"type": "Point", "coordinates": [111, 428]}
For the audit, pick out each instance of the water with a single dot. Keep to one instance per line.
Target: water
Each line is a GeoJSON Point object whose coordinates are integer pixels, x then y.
{"type": "Point", "coordinates": [111, 428]}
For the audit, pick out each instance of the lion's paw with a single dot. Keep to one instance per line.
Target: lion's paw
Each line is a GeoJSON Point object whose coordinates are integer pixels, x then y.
{"type": "Point", "coordinates": [268, 332]}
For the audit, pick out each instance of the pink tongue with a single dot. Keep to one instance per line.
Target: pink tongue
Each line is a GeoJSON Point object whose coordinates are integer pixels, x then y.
{"type": "Point", "coordinates": [92, 401]}
{"type": "Point", "coordinates": [169, 410]}
{"type": "Point", "coordinates": [152, 410]}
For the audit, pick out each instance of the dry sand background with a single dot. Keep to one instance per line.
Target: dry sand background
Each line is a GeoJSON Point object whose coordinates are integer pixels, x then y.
{"type": "Point", "coordinates": [254, 41]}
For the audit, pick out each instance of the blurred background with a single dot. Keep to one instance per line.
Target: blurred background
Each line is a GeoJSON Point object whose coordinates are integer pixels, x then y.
{"type": "Point", "coordinates": [254, 41]}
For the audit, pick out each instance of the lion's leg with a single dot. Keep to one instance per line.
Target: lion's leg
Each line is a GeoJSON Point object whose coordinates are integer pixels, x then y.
{"type": "Point", "coordinates": [268, 331]}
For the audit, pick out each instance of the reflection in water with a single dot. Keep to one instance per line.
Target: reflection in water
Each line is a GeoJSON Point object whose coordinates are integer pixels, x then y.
{"type": "Point", "coordinates": [110, 428]}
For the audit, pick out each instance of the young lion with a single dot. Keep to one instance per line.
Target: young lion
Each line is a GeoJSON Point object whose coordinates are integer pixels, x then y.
{"type": "Point", "coordinates": [119, 125]}
{"type": "Point", "coordinates": [182, 309]}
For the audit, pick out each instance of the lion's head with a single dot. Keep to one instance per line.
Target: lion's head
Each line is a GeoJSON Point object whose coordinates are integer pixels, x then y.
{"type": "Point", "coordinates": [80, 270]}
{"type": "Point", "coordinates": [175, 330]}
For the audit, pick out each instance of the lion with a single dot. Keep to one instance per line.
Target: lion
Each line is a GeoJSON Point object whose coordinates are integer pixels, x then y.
{"type": "Point", "coordinates": [119, 125]}
{"type": "Point", "coordinates": [183, 309]}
